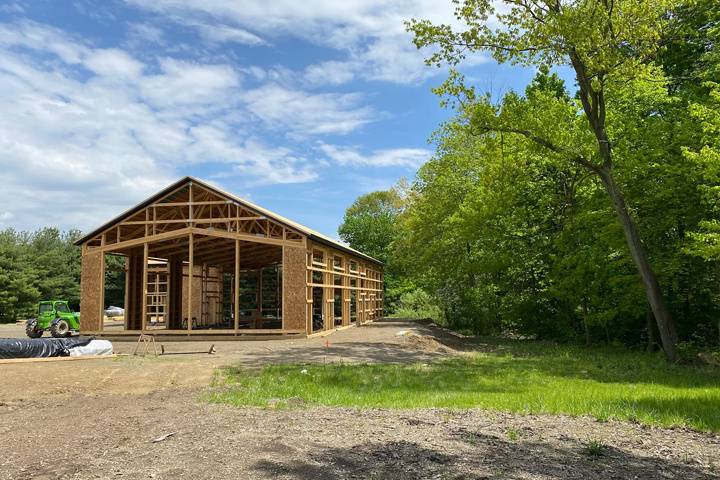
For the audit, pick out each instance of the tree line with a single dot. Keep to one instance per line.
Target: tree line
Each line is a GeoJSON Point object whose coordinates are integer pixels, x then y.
{"type": "Point", "coordinates": [568, 212]}
{"type": "Point", "coordinates": [34, 266]}
{"type": "Point", "coordinates": [45, 265]}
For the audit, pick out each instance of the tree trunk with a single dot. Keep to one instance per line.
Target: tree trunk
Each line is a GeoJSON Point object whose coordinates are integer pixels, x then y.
{"type": "Point", "coordinates": [666, 327]}
{"type": "Point", "coordinates": [650, 326]}
{"type": "Point", "coordinates": [585, 321]}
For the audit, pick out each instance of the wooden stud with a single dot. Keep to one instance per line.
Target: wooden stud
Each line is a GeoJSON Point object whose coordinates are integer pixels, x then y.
{"type": "Point", "coordinates": [127, 291]}
{"type": "Point", "coordinates": [236, 288]}
{"type": "Point", "coordinates": [191, 274]}
{"type": "Point", "coordinates": [190, 206]}
{"type": "Point", "coordinates": [144, 287]}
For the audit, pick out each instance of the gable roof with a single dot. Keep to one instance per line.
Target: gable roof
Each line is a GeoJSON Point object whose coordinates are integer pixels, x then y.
{"type": "Point", "coordinates": [310, 233]}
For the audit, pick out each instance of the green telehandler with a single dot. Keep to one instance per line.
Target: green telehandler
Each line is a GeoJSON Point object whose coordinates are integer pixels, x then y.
{"type": "Point", "coordinates": [56, 316]}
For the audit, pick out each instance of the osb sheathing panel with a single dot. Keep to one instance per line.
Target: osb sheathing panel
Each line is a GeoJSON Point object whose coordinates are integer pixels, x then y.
{"type": "Point", "coordinates": [213, 286]}
{"type": "Point", "coordinates": [294, 302]}
{"type": "Point", "coordinates": [91, 292]}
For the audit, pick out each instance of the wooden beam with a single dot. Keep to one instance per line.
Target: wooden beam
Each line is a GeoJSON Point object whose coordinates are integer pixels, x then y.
{"type": "Point", "coordinates": [139, 241]}
{"type": "Point", "coordinates": [144, 287]}
{"type": "Point", "coordinates": [190, 209]}
{"type": "Point", "coordinates": [186, 204]}
{"type": "Point", "coordinates": [236, 289]}
{"type": "Point", "coordinates": [127, 291]}
{"type": "Point", "coordinates": [191, 274]}
{"type": "Point", "coordinates": [220, 331]}
{"type": "Point", "coordinates": [242, 236]}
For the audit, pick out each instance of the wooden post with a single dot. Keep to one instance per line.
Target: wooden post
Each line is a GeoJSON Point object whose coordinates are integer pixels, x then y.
{"type": "Point", "coordinates": [168, 298]}
{"type": "Point", "coordinates": [236, 287]}
{"type": "Point", "coordinates": [144, 285]}
{"type": "Point", "coordinates": [191, 273]}
{"type": "Point", "coordinates": [345, 280]}
{"type": "Point", "coordinates": [190, 205]}
{"type": "Point", "coordinates": [127, 292]}
{"type": "Point", "coordinates": [328, 297]}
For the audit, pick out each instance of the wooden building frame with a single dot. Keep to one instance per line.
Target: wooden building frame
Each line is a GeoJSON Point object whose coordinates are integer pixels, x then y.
{"type": "Point", "coordinates": [192, 253]}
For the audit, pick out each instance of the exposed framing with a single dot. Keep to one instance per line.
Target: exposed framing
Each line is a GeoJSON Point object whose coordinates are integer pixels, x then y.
{"type": "Point", "coordinates": [194, 226]}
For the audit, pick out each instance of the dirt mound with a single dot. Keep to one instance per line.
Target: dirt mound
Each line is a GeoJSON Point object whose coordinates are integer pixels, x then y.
{"type": "Point", "coordinates": [424, 343]}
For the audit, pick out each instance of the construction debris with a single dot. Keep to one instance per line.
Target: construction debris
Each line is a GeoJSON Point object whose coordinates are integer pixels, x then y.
{"type": "Point", "coordinates": [163, 437]}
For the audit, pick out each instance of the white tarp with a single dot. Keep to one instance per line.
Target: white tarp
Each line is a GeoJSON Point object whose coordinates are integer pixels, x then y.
{"type": "Point", "coordinates": [94, 347]}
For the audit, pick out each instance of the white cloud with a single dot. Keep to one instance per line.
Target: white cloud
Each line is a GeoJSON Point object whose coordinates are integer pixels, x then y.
{"type": "Point", "coordinates": [393, 157]}
{"type": "Point", "coordinates": [5, 217]}
{"type": "Point", "coordinates": [96, 129]}
{"type": "Point", "coordinates": [41, 37]}
{"type": "Point", "coordinates": [302, 113]}
{"type": "Point", "coordinates": [80, 145]}
{"type": "Point", "coordinates": [142, 34]}
{"type": "Point", "coordinates": [371, 33]}
{"type": "Point", "coordinates": [13, 7]}
{"type": "Point", "coordinates": [187, 83]}
{"type": "Point", "coordinates": [330, 73]}
{"type": "Point", "coordinates": [113, 62]}
{"type": "Point", "coordinates": [225, 33]}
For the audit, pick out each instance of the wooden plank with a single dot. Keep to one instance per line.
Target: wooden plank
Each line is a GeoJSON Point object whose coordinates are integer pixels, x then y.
{"type": "Point", "coordinates": [324, 333]}
{"type": "Point", "coordinates": [195, 221]}
{"type": "Point", "coordinates": [236, 287]}
{"type": "Point", "coordinates": [144, 287]}
{"type": "Point", "coordinates": [127, 290]}
{"type": "Point", "coordinates": [191, 274]}
{"type": "Point", "coordinates": [219, 331]}
{"type": "Point", "coordinates": [186, 204]}
{"type": "Point", "coordinates": [5, 361]}
{"type": "Point", "coordinates": [190, 206]}
{"type": "Point", "coordinates": [182, 232]}
{"type": "Point", "coordinates": [243, 236]}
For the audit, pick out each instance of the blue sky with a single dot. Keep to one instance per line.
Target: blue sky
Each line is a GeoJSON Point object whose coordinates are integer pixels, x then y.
{"type": "Point", "coordinates": [298, 106]}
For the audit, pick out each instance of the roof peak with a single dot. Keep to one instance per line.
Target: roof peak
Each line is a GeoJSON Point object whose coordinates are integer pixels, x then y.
{"type": "Point", "coordinates": [310, 233]}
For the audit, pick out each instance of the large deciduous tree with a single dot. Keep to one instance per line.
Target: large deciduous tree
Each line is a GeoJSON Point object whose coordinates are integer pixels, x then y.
{"type": "Point", "coordinates": [370, 225]}
{"type": "Point", "coordinates": [609, 44]}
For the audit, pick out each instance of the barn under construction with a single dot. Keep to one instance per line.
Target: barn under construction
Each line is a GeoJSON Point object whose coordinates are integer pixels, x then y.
{"type": "Point", "coordinates": [198, 260]}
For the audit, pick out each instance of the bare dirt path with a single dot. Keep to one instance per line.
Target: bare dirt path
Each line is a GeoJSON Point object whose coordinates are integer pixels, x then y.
{"type": "Point", "coordinates": [97, 419]}
{"type": "Point", "coordinates": [127, 374]}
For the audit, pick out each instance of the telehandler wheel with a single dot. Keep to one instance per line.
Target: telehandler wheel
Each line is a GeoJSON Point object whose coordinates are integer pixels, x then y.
{"type": "Point", "coordinates": [31, 329]}
{"type": "Point", "coordinates": [60, 329]}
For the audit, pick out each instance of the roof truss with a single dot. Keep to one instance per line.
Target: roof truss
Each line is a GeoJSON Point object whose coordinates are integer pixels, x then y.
{"type": "Point", "coordinates": [195, 208]}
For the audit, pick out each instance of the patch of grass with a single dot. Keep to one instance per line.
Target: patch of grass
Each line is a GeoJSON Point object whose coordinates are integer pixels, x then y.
{"type": "Point", "coordinates": [523, 377]}
{"type": "Point", "coordinates": [594, 448]}
{"type": "Point", "coordinates": [513, 435]}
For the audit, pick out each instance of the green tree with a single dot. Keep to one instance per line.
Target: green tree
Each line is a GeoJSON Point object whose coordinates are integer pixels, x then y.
{"type": "Point", "coordinates": [609, 45]}
{"type": "Point", "coordinates": [370, 225]}
{"type": "Point", "coordinates": [18, 277]}
{"type": "Point", "coordinates": [37, 266]}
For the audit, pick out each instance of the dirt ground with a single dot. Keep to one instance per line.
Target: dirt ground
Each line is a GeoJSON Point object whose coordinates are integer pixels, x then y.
{"type": "Point", "coordinates": [97, 419]}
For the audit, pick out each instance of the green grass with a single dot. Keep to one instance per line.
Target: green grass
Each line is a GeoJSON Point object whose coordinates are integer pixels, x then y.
{"type": "Point", "coordinates": [594, 448]}
{"type": "Point", "coordinates": [525, 377]}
